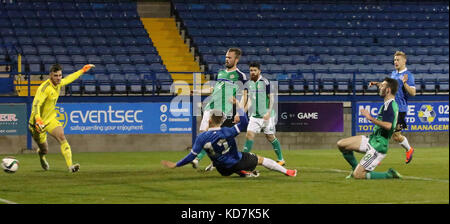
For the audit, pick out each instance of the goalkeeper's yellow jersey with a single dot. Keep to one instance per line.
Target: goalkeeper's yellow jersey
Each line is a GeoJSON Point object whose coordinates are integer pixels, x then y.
{"type": "Point", "coordinates": [46, 97]}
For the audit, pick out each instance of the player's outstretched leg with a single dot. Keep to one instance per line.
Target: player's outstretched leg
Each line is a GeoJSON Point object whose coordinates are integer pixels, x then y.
{"type": "Point", "coordinates": [272, 165]}
{"type": "Point", "coordinates": [244, 173]}
{"type": "Point", "coordinates": [389, 174]}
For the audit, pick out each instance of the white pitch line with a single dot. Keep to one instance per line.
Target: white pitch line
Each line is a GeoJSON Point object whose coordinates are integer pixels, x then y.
{"type": "Point", "coordinates": [6, 201]}
{"type": "Point", "coordinates": [405, 177]}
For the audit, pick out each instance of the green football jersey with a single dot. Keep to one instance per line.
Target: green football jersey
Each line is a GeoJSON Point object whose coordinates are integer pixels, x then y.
{"type": "Point", "coordinates": [259, 93]}
{"type": "Point", "coordinates": [225, 88]}
{"type": "Point", "coordinates": [379, 139]}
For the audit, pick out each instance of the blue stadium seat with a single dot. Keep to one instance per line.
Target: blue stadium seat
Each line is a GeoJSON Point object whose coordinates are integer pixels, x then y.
{"type": "Point", "coordinates": [118, 83]}
{"type": "Point", "coordinates": [89, 50]}
{"type": "Point", "coordinates": [326, 82]}
{"type": "Point", "coordinates": [79, 59]}
{"type": "Point", "coordinates": [63, 59]}
{"type": "Point", "coordinates": [93, 59]}
{"type": "Point", "coordinates": [104, 50]}
{"type": "Point", "coordinates": [128, 68]}
{"type": "Point", "coordinates": [164, 82]}
{"type": "Point", "coordinates": [113, 68]}
{"type": "Point", "coordinates": [68, 68]}
{"type": "Point", "coordinates": [119, 50]}
{"type": "Point", "coordinates": [275, 68]}
{"type": "Point", "coordinates": [284, 86]}
{"type": "Point", "coordinates": [344, 59]}
{"type": "Point", "coordinates": [122, 59]}
{"type": "Point", "coordinates": [137, 59]}
{"type": "Point", "coordinates": [48, 59]}
{"type": "Point", "coordinates": [44, 50]}
{"type": "Point", "coordinates": [443, 82]}
{"type": "Point", "coordinates": [70, 41]}
{"type": "Point", "coordinates": [430, 83]}
{"type": "Point", "coordinates": [35, 68]}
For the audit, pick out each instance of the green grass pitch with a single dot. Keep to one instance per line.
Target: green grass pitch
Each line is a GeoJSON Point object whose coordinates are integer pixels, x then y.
{"type": "Point", "coordinates": [138, 177]}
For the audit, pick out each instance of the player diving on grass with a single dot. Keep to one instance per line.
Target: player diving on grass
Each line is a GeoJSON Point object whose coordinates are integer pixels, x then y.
{"type": "Point", "coordinates": [220, 146]}
{"type": "Point", "coordinates": [261, 101]}
{"type": "Point", "coordinates": [375, 146]}
{"type": "Point", "coordinates": [225, 87]}
{"type": "Point", "coordinates": [43, 115]}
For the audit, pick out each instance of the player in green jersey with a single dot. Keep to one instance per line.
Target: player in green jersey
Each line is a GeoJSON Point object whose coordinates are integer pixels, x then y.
{"type": "Point", "coordinates": [262, 114]}
{"type": "Point", "coordinates": [227, 86]}
{"type": "Point", "coordinates": [375, 146]}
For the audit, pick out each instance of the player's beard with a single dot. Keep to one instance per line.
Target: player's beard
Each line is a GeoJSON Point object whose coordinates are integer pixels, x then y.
{"type": "Point", "coordinates": [55, 81]}
{"type": "Point", "coordinates": [383, 93]}
{"type": "Point", "coordinates": [254, 78]}
{"type": "Point", "coordinates": [229, 64]}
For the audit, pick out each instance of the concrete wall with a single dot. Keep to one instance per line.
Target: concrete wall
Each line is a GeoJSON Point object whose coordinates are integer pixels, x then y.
{"type": "Point", "coordinates": [168, 142]}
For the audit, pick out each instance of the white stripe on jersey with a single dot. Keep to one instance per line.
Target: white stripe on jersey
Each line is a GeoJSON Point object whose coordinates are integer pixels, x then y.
{"type": "Point", "coordinates": [237, 129]}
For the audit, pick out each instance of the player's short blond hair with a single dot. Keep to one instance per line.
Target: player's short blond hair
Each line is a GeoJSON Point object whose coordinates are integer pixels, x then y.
{"type": "Point", "coordinates": [400, 53]}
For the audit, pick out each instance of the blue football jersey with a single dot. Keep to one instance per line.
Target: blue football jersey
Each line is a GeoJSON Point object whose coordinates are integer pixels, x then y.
{"type": "Point", "coordinates": [402, 95]}
{"type": "Point", "coordinates": [219, 144]}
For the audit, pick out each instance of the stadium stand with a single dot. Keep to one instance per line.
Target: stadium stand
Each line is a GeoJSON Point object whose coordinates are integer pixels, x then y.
{"type": "Point", "coordinates": [293, 40]}
{"type": "Point", "coordinates": [355, 40]}
{"type": "Point", "coordinates": [108, 34]}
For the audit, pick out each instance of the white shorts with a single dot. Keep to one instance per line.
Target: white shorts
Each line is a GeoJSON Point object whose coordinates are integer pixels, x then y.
{"type": "Point", "coordinates": [257, 125]}
{"type": "Point", "coordinates": [372, 157]}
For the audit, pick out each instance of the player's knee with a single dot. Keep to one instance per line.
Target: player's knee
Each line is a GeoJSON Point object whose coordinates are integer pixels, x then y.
{"type": "Point", "coordinates": [340, 144]}
{"type": "Point", "coordinates": [397, 137]}
{"type": "Point", "coordinates": [61, 137]}
{"type": "Point", "coordinates": [270, 138]}
{"type": "Point", "coordinates": [359, 175]}
{"type": "Point", "coordinates": [250, 135]}
{"type": "Point", "coordinates": [43, 149]}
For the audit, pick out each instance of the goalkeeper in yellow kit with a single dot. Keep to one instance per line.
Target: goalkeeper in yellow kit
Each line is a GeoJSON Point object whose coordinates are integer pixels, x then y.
{"type": "Point", "coordinates": [43, 115]}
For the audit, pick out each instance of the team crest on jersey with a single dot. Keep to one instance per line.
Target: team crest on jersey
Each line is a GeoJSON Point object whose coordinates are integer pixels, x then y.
{"type": "Point", "coordinates": [61, 116]}
{"type": "Point", "coordinates": [231, 76]}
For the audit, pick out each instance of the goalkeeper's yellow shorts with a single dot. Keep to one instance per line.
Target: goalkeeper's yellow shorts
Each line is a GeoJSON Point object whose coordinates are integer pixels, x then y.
{"type": "Point", "coordinates": [42, 137]}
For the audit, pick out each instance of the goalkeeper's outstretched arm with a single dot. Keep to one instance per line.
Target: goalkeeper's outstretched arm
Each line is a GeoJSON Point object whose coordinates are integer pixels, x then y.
{"type": "Point", "coordinates": [74, 76]}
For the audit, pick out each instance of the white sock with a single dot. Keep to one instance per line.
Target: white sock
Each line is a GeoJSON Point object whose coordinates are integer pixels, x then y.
{"type": "Point", "coordinates": [272, 165]}
{"type": "Point", "coordinates": [405, 144]}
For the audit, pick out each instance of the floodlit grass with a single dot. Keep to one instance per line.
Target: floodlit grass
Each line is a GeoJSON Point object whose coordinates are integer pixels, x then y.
{"type": "Point", "coordinates": [138, 177]}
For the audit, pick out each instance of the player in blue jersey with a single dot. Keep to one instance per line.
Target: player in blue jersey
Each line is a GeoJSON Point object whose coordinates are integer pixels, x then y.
{"type": "Point", "coordinates": [220, 146]}
{"type": "Point", "coordinates": [406, 88]}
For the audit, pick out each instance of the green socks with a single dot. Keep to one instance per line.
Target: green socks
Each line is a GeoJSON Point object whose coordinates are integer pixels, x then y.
{"type": "Point", "coordinates": [275, 144]}
{"type": "Point", "coordinates": [378, 175]}
{"type": "Point", "coordinates": [201, 155]}
{"type": "Point", "coordinates": [277, 147]}
{"type": "Point", "coordinates": [350, 157]}
{"type": "Point", "coordinates": [248, 145]}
